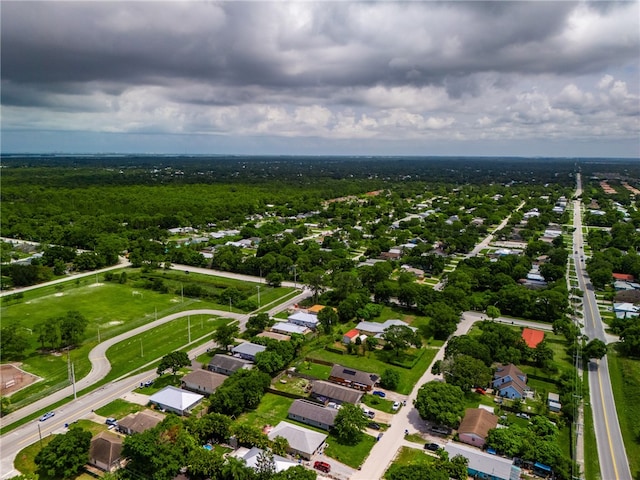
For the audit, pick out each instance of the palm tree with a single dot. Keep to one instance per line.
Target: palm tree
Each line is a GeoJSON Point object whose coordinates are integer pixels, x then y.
{"type": "Point", "coordinates": [236, 469]}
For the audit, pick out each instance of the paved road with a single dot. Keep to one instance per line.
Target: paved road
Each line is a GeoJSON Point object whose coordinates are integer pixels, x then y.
{"type": "Point", "coordinates": [13, 442]}
{"type": "Point", "coordinates": [612, 455]}
{"type": "Point", "coordinates": [100, 365]}
{"type": "Point", "coordinates": [408, 418]}
{"type": "Point", "coordinates": [484, 243]}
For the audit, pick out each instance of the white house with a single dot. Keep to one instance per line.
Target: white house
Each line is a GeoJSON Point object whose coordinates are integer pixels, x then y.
{"type": "Point", "coordinates": [175, 400]}
{"type": "Point", "coordinates": [304, 319]}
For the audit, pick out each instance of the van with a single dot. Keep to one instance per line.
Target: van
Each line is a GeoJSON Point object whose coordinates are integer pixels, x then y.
{"type": "Point", "coordinates": [322, 466]}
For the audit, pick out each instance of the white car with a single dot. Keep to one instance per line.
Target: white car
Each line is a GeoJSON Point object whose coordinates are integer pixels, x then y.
{"type": "Point", "coordinates": [396, 406]}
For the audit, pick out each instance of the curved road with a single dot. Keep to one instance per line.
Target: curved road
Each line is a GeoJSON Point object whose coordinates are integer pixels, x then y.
{"type": "Point", "coordinates": [14, 441]}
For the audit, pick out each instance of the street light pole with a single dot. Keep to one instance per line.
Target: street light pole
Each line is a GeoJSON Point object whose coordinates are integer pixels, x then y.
{"type": "Point", "coordinates": [141, 350]}
{"type": "Point", "coordinates": [189, 326]}
{"type": "Point", "coordinates": [259, 296]}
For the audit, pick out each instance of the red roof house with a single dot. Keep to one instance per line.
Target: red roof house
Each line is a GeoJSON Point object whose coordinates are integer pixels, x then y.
{"type": "Point", "coordinates": [625, 277]}
{"type": "Point", "coordinates": [532, 337]}
{"type": "Point", "coordinates": [350, 336]}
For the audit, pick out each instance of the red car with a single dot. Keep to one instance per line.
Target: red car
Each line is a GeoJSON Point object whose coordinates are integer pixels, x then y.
{"type": "Point", "coordinates": [481, 391]}
{"type": "Point", "coordinates": [322, 466]}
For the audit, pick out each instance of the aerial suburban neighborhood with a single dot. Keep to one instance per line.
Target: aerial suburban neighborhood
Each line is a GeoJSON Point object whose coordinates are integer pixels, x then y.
{"type": "Point", "coordinates": [386, 327]}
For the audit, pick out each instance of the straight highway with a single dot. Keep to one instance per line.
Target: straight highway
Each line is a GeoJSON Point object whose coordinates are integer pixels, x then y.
{"type": "Point", "coordinates": [611, 453]}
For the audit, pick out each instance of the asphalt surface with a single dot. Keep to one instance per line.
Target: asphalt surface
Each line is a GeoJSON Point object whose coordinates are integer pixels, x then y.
{"type": "Point", "coordinates": [14, 441]}
{"type": "Point", "coordinates": [611, 453]}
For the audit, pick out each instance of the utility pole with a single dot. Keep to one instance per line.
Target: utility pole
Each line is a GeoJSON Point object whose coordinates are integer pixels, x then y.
{"type": "Point", "coordinates": [40, 434]}
{"type": "Point", "coordinates": [141, 350]}
{"type": "Point", "coordinates": [73, 380]}
{"type": "Point", "coordinates": [98, 333]}
{"type": "Point", "coordinates": [258, 296]}
{"type": "Point", "coordinates": [189, 326]}
{"type": "Point", "coordinates": [182, 291]}
{"type": "Point", "coordinates": [68, 364]}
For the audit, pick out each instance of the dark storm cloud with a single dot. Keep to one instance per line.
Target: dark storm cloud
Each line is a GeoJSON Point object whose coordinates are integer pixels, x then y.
{"type": "Point", "coordinates": [247, 43]}
{"type": "Point", "coordinates": [336, 69]}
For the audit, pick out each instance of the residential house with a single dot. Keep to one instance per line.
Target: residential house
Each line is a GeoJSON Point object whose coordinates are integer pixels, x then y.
{"type": "Point", "coordinates": [275, 336]}
{"type": "Point", "coordinates": [484, 465]}
{"type": "Point", "coordinates": [476, 425]}
{"type": "Point", "coordinates": [247, 350]}
{"type": "Point", "coordinates": [302, 441]}
{"type": "Point", "coordinates": [303, 319]}
{"type": "Point", "coordinates": [350, 336]}
{"type": "Point", "coordinates": [532, 337]}
{"type": "Point", "coordinates": [353, 378]}
{"type": "Point", "coordinates": [315, 309]}
{"type": "Point", "coordinates": [226, 364]}
{"type": "Point", "coordinates": [553, 402]}
{"type": "Point", "coordinates": [510, 382]}
{"type": "Point", "coordinates": [326, 392]}
{"type": "Point", "coordinates": [252, 457]}
{"type": "Point", "coordinates": [625, 277]}
{"type": "Point", "coordinates": [203, 381]}
{"type": "Point", "coordinates": [289, 328]}
{"type": "Point", "coordinates": [105, 451]}
{"type": "Point", "coordinates": [376, 329]}
{"type": "Point", "coordinates": [312, 414]}
{"type": "Point", "coordinates": [625, 310]}
{"type": "Point", "coordinates": [139, 422]}
{"type": "Point", "coordinates": [175, 400]}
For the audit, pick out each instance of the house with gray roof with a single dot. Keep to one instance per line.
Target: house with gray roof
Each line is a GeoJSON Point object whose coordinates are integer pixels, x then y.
{"type": "Point", "coordinates": [203, 381]}
{"type": "Point", "coordinates": [226, 364]}
{"type": "Point", "coordinates": [302, 441]}
{"type": "Point", "coordinates": [510, 381]}
{"type": "Point", "coordinates": [251, 458]}
{"type": "Point", "coordinates": [175, 400]}
{"type": "Point", "coordinates": [484, 465]}
{"type": "Point", "coordinates": [312, 414]}
{"type": "Point", "coordinates": [105, 451]}
{"type": "Point", "coordinates": [289, 328]}
{"type": "Point", "coordinates": [139, 422]}
{"type": "Point", "coordinates": [304, 319]}
{"type": "Point", "coordinates": [326, 392]}
{"type": "Point", "coordinates": [377, 329]}
{"type": "Point", "coordinates": [352, 378]}
{"type": "Point", "coordinates": [247, 350]}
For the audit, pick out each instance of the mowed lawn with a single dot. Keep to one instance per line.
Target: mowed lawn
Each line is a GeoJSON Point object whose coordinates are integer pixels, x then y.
{"type": "Point", "coordinates": [372, 363]}
{"type": "Point", "coordinates": [148, 346]}
{"type": "Point", "coordinates": [625, 381]}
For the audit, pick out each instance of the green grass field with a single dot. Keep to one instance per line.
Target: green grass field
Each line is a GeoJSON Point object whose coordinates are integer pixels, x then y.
{"type": "Point", "coordinates": [625, 381]}
{"type": "Point", "coordinates": [352, 455]}
{"type": "Point", "coordinates": [271, 411]}
{"type": "Point", "coordinates": [371, 363]}
{"type": "Point", "coordinates": [409, 456]}
{"type": "Point", "coordinates": [118, 409]}
{"type": "Point", "coordinates": [378, 403]}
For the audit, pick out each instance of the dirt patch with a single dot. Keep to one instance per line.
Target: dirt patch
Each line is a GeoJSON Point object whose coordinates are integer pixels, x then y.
{"type": "Point", "coordinates": [13, 378]}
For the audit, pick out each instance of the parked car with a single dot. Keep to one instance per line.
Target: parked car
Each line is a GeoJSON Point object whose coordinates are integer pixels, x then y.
{"type": "Point", "coordinates": [434, 447]}
{"type": "Point", "coordinates": [322, 466]}
{"type": "Point", "coordinates": [367, 412]}
{"type": "Point", "coordinates": [442, 430]}
{"type": "Point", "coordinates": [111, 421]}
{"type": "Point", "coordinates": [481, 391]}
{"type": "Point", "coordinates": [379, 393]}
{"type": "Point", "coordinates": [148, 383]}
{"type": "Point", "coordinates": [396, 406]}
{"type": "Point", "coordinates": [374, 425]}
{"type": "Point", "coordinates": [523, 415]}
{"type": "Point", "coordinates": [47, 416]}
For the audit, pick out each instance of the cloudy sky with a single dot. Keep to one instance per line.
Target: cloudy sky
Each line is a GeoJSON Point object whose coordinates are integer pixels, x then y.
{"type": "Point", "coordinates": [328, 77]}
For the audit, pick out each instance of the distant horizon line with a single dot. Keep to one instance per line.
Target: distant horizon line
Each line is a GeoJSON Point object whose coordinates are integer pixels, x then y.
{"type": "Point", "coordinates": [306, 155]}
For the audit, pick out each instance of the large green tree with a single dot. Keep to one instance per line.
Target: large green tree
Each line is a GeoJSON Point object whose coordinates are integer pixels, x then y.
{"type": "Point", "coordinates": [14, 340]}
{"type": "Point", "coordinates": [401, 337]}
{"type": "Point", "coordinates": [65, 455]}
{"type": "Point", "coordinates": [225, 334]}
{"type": "Point", "coordinates": [440, 403]}
{"type": "Point", "coordinates": [350, 423]}
{"type": "Point", "coordinates": [466, 372]}
{"type": "Point", "coordinates": [173, 361]}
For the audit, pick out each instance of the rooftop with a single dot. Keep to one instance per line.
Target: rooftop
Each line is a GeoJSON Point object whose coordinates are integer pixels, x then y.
{"type": "Point", "coordinates": [299, 438]}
